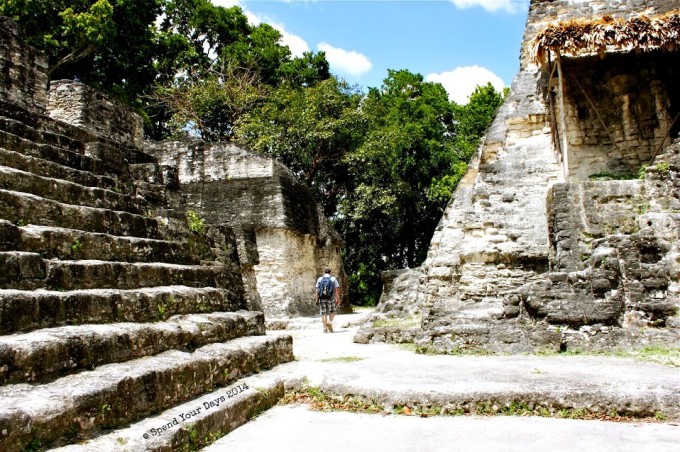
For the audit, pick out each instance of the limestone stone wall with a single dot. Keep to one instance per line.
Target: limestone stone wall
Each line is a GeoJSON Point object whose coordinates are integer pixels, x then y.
{"type": "Point", "coordinates": [284, 240]}
{"type": "Point", "coordinates": [493, 237]}
{"type": "Point", "coordinates": [580, 213]}
{"type": "Point", "coordinates": [23, 71]}
{"type": "Point", "coordinates": [614, 280]}
{"type": "Point", "coordinates": [285, 278]}
{"type": "Point", "coordinates": [79, 105]}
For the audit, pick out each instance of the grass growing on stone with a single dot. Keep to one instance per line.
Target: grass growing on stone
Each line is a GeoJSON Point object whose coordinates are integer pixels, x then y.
{"type": "Point", "coordinates": [663, 168]}
{"type": "Point", "coordinates": [669, 356]}
{"type": "Point", "coordinates": [322, 401]}
{"type": "Point", "coordinates": [608, 175]}
{"type": "Point", "coordinates": [427, 350]}
{"type": "Point", "coordinates": [195, 442]}
{"type": "Point", "coordinates": [356, 308]}
{"type": "Point", "coordinates": [341, 359]}
{"type": "Point", "coordinates": [409, 346]}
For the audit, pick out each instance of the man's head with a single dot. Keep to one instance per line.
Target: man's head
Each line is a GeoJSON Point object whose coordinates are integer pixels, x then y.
{"type": "Point", "coordinates": [327, 271]}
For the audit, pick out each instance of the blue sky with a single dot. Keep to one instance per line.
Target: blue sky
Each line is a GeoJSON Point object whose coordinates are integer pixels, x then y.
{"type": "Point", "coordinates": [460, 43]}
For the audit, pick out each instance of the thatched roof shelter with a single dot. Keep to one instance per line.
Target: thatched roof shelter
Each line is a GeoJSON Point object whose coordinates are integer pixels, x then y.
{"type": "Point", "coordinates": [578, 38]}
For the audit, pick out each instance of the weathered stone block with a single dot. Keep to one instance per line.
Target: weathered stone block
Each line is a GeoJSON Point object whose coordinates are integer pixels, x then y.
{"type": "Point", "coordinates": [81, 106]}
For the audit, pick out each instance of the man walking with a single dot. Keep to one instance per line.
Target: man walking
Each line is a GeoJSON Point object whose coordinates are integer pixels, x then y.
{"type": "Point", "coordinates": [327, 297]}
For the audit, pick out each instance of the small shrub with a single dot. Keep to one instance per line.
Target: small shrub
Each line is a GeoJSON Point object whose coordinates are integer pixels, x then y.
{"type": "Point", "coordinates": [161, 311]}
{"type": "Point", "coordinates": [76, 246]}
{"type": "Point", "coordinates": [196, 224]}
{"type": "Point", "coordinates": [663, 169]}
{"type": "Point", "coordinates": [642, 172]}
{"type": "Point", "coordinates": [660, 416]}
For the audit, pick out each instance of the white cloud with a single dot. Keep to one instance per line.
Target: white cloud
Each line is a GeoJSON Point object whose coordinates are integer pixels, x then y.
{"type": "Point", "coordinates": [490, 5]}
{"type": "Point", "coordinates": [296, 44]}
{"type": "Point", "coordinates": [226, 3]}
{"type": "Point", "coordinates": [252, 18]}
{"type": "Point", "coordinates": [462, 81]}
{"type": "Point", "coordinates": [346, 61]}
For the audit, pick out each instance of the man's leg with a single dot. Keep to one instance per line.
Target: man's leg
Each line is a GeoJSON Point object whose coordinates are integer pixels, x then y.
{"type": "Point", "coordinates": [331, 314]}
{"type": "Point", "coordinates": [323, 309]}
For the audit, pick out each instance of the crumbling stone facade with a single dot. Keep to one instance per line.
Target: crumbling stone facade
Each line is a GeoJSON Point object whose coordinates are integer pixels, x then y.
{"type": "Point", "coordinates": [530, 254]}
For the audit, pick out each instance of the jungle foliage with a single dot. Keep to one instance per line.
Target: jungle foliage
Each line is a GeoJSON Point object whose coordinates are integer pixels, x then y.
{"type": "Point", "coordinates": [383, 162]}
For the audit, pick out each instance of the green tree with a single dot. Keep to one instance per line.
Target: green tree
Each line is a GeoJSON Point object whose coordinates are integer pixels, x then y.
{"type": "Point", "coordinates": [415, 151]}
{"type": "Point", "coordinates": [310, 130]}
{"type": "Point", "coordinates": [409, 143]}
{"type": "Point", "coordinates": [209, 103]}
{"type": "Point", "coordinates": [66, 31]}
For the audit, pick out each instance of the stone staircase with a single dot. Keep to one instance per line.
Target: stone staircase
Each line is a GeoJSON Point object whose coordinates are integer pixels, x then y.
{"type": "Point", "coordinates": [111, 309]}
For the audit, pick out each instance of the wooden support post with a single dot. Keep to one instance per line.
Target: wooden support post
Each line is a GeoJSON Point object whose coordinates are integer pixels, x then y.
{"type": "Point", "coordinates": [553, 116]}
{"type": "Point", "coordinates": [563, 120]}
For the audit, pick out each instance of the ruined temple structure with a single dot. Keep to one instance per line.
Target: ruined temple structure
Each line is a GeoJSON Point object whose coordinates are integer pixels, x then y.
{"type": "Point", "coordinates": [133, 276]}
{"type": "Point", "coordinates": [564, 233]}
{"type": "Point", "coordinates": [284, 241]}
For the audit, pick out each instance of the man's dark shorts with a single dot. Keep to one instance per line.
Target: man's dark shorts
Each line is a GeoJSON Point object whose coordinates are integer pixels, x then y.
{"type": "Point", "coordinates": [326, 306]}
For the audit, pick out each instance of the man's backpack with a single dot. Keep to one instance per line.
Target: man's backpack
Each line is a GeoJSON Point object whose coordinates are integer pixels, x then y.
{"type": "Point", "coordinates": [326, 288]}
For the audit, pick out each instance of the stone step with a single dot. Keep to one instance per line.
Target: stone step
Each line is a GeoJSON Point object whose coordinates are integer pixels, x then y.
{"type": "Point", "coordinates": [28, 132]}
{"type": "Point", "coordinates": [54, 352]}
{"type": "Point", "coordinates": [47, 168]}
{"type": "Point", "coordinates": [10, 236]}
{"type": "Point", "coordinates": [93, 274]}
{"type": "Point", "coordinates": [23, 208]}
{"type": "Point", "coordinates": [72, 408]}
{"type": "Point", "coordinates": [56, 154]}
{"type": "Point", "coordinates": [187, 427]}
{"type": "Point", "coordinates": [68, 192]}
{"type": "Point", "coordinates": [66, 157]}
{"type": "Point", "coordinates": [24, 310]}
{"type": "Point", "coordinates": [40, 129]}
{"type": "Point", "coordinates": [20, 270]}
{"type": "Point", "coordinates": [65, 244]}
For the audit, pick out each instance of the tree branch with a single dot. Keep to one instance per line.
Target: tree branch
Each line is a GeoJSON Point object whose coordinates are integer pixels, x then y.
{"type": "Point", "coordinates": [71, 57]}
